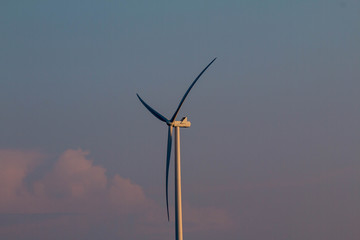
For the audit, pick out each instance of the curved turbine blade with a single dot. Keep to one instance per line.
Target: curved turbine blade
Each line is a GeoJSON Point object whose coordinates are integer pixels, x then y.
{"type": "Point", "coordinates": [168, 155]}
{"type": "Point", "coordinates": [155, 113]}
{"type": "Point", "coordinates": [187, 92]}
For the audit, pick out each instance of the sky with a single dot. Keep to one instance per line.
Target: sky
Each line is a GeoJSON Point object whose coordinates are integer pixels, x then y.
{"type": "Point", "coordinates": [273, 149]}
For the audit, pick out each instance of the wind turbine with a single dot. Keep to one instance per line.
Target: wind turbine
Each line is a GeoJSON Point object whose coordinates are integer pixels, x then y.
{"type": "Point", "coordinates": [172, 123]}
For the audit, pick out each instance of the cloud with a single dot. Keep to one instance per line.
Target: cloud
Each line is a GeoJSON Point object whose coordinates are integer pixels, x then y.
{"type": "Point", "coordinates": [69, 200]}
{"type": "Point", "coordinates": [73, 176]}
{"type": "Point", "coordinates": [15, 166]}
{"type": "Point", "coordinates": [78, 197]}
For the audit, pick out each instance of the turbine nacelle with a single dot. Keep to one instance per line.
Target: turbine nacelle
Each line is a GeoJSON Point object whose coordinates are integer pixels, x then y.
{"type": "Point", "coordinates": [184, 123]}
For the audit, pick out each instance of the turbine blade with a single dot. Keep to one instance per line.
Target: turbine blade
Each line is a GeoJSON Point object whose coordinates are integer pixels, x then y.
{"type": "Point", "coordinates": [155, 113]}
{"type": "Point", "coordinates": [168, 155]}
{"type": "Point", "coordinates": [187, 92]}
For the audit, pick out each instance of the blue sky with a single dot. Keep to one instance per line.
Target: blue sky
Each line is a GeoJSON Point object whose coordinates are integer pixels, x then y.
{"type": "Point", "coordinates": [273, 147]}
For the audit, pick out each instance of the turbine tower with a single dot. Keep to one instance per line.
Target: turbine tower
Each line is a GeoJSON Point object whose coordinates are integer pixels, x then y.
{"type": "Point", "coordinates": [172, 123]}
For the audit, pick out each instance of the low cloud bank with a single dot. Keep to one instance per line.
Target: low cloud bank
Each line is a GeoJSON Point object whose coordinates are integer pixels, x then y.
{"type": "Point", "coordinates": [75, 199]}
{"type": "Point", "coordinates": [73, 185]}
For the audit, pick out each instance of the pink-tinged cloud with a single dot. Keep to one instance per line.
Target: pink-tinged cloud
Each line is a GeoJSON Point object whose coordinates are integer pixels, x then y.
{"type": "Point", "coordinates": [14, 167]}
{"type": "Point", "coordinates": [74, 176]}
{"type": "Point", "coordinates": [134, 196]}
{"type": "Point", "coordinates": [75, 184]}
{"type": "Point", "coordinates": [76, 196]}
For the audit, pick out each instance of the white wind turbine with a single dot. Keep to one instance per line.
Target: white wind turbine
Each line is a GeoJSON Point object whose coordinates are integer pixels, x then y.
{"type": "Point", "coordinates": [184, 123]}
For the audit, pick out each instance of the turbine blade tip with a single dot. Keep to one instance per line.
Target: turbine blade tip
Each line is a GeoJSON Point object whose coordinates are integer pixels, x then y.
{"type": "Point", "coordinates": [139, 97]}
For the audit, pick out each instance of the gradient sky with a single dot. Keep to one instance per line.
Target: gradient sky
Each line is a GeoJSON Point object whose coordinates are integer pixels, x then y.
{"type": "Point", "coordinates": [273, 150]}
